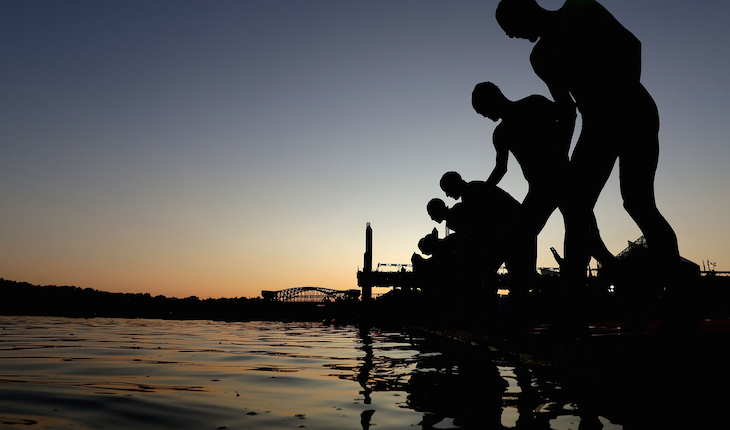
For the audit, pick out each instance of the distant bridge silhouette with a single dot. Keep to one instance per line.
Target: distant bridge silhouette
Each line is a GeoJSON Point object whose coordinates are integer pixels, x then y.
{"type": "Point", "coordinates": [310, 294]}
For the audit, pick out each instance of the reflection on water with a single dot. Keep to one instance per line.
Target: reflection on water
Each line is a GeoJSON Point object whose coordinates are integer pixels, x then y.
{"type": "Point", "coordinates": [458, 386]}
{"type": "Point", "coordinates": [117, 373]}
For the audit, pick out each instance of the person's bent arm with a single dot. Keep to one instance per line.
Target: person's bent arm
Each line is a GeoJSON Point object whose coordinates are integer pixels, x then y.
{"type": "Point", "coordinates": [565, 108]}
{"type": "Point", "coordinates": [546, 62]}
{"type": "Point", "coordinates": [500, 167]}
{"type": "Point", "coordinates": [566, 119]}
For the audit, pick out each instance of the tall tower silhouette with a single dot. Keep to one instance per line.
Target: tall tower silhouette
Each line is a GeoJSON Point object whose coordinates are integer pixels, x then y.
{"type": "Point", "coordinates": [367, 286]}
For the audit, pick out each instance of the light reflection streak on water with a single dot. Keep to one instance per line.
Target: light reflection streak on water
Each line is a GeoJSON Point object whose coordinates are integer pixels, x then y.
{"type": "Point", "coordinates": [115, 373]}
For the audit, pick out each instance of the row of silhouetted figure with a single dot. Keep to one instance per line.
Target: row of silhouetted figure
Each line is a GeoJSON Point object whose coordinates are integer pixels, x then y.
{"type": "Point", "coordinates": [590, 64]}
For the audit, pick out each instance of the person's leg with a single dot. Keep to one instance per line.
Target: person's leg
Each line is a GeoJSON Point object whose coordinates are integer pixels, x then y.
{"type": "Point", "coordinates": [637, 166]}
{"type": "Point", "coordinates": [599, 251]}
{"type": "Point", "coordinates": [598, 248]}
{"type": "Point", "coordinates": [590, 166]}
{"type": "Point", "coordinates": [538, 205]}
{"type": "Point", "coordinates": [638, 162]}
{"type": "Point", "coordinates": [536, 208]}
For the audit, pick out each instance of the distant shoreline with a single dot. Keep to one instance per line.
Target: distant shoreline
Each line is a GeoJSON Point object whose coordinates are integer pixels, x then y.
{"type": "Point", "coordinates": [707, 297]}
{"type": "Point", "coordinates": [22, 298]}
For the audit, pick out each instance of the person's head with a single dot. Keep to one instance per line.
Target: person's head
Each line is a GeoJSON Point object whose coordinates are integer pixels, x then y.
{"type": "Point", "coordinates": [452, 184]}
{"type": "Point", "coordinates": [427, 244]}
{"type": "Point", "coordinates": [488, 101]}
{"type": "Point", "coordinates": [520, 18]}
{"type": "Point", "coordinates": [437, 210]}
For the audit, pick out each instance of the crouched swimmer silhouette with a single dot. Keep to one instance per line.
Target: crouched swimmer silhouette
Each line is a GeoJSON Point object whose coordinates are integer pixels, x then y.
{"type": "Point", "coordinates": [529, 129]}
{"type": "Point", "coordinates": [487, 213]}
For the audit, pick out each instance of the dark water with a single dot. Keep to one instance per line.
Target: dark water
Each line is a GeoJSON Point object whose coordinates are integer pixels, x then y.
{"type": "Point", "coordinates": [134, 373]}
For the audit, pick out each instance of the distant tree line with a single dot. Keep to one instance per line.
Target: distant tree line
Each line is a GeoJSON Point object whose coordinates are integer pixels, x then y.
{"type": "Point", "coordinates": [22, 298]}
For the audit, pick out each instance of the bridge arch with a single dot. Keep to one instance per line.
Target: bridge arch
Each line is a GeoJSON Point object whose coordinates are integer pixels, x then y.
{"type": "Point", "coordinates": [310, 295]}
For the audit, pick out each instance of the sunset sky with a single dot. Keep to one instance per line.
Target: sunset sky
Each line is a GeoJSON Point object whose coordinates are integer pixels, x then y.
{"type": "Point", "coordinates": [221, 148]}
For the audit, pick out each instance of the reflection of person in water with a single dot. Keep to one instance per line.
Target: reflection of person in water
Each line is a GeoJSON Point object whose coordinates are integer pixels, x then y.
{"type": "Point", "coordinates": [363, 375]}
{"type": "Point", "coordinates": [529, 130]}
{"type": "Point", "coordinates": [461, 383]}
{"type": "Point", "coordinates": [587, 58]}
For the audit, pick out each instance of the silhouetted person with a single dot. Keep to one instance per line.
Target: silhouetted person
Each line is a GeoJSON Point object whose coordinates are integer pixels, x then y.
{"type": "Point", "coordinates": [435, 271]}
{"type": "Point", "coordinates": [529, 130]}
{"type": "Point", "coordinates": [495, 206]}
{"type": "Point", "coordinates": [589, 60]}
{"type": "Point", "coordinates": [456, 217]}
{"type": "Point", "coordinates": [460, 244]}
{"type": "Point", "coordinates": [432, 245]}
{"type": "Point", "coordinates": [489, 211]}
{"type": "Point", "coordinates": [478, 244]}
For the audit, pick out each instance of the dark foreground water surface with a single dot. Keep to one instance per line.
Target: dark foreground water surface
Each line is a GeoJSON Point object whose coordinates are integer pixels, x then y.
{"type": "Point", "coordinates": [158, 374]}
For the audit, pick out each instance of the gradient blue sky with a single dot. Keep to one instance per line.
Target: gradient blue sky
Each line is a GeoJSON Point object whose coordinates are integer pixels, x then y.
{"type": "Point", "coordinates": [218, 148]}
